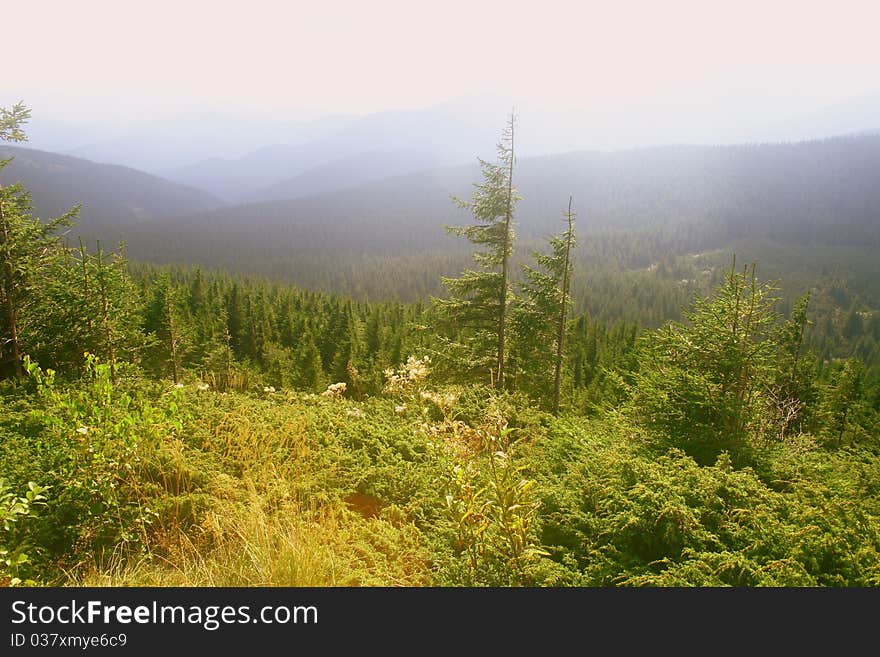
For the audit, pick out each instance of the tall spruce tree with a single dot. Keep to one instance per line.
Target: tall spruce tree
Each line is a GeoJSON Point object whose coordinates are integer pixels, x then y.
{"type": "Point", "coordinates": [539, 315]}
{"type": "Point", "coordinates": [478, 302]}
{"type": "Point", "coordinates": [794, 387]}
{"type": "Point", "coordinates": [564, 303]}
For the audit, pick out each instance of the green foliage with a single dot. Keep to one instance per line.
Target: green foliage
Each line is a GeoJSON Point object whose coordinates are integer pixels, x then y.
{"type": "Point", "coordinates": [93, 295]}
{"type": "Point", "coordinates": [477, 306]}
{"type": "Point", "coordinates": [539, 318]}
{"type": "Point", "coordinates": [57, 302]}
{"type": "Point", "coordinates": [422, 488]}
{"type": "Point", "coordinates": [13, 509]}
{"type": "Point", "coordinates": [493, 510]}
{"type": "Point", "coordinates": [30, 256]}
{"type": "Point", "coordinates": [842, 405]}
{"type": "Point", "coordinates": [11, 121]}
{"type": "Point", "coordinates": [92, 444]}
{"type": "Point", "coordinates": [167, 334]}
{"type": "Point", "coordinates": [310, 372]}
{"type": "Point", "coordinates": [705, 385]}
{"type": "Point", "coordinates": [793, 391]}
{"type": "Point", "coordinates": [613, 514]}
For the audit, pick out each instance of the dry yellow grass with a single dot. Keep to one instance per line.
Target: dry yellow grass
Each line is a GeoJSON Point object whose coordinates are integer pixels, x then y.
{"type": "Point", "coordinates": [285, 547]}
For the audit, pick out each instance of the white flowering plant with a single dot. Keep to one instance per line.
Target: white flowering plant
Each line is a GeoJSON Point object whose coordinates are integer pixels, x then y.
{"type": "Point", "coordinates": [335, 390]}
{"type": "Point", "coordinates": [408, 377]}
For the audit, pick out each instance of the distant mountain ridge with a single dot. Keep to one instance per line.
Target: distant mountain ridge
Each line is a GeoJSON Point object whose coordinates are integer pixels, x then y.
{"type": "Point", "coordinates": [244, 156]}
{"type": "Point", "coordinates": [163, 145]}
{"type": "Point", "coordinates": [347, 172]}
{"type": "Point", "coordinates": [114, 198]}
{"type": "Point", "coordinates": [823, 192]}
{"type": "Point", "coordinates": [633, 206]}
{"type": "Point", "coordinates": [443, 135]}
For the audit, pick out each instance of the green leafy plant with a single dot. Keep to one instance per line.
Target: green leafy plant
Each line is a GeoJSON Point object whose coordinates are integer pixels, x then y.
{"type": "Point", "coordinates": [96, 440]}
{"type": "Point", "coordinates": [493, 509]}
{"type": "Point", "coordinates": [13, 509]}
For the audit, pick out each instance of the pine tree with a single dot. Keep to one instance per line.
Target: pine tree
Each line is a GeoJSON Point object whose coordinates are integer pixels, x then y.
{"type": "Point", "coordinates": [564, 304]}
{"type": "Point", "coordinates": [373, 335]}
{"type": "Point", "coordinates": [309, 372]}
{"type": "Point", "coordinates": [479, 299]}
{"type": "Point", "coordinates": [197, 293]}
{"type": "Point", "coordinates": [235, 320]}
{"type": "Point", "coordinates": [28, 247]}
{"type": "Point", "coordinates": [842, 399]}
{"type": "Point", "coordinates": [793, 388]}
{"type": "Point", "coordinates": [118, 319]}
{"type": "Point", "coordinates": [539, 316]}
{"type": "Point", "coordinates": [347, 349]}
{"type": "Point", "coordinates": [852, 327]}
{"type": "Point", "coordinates": [704, 384]}
{"type": "Point", "coordinates": [164, 320]}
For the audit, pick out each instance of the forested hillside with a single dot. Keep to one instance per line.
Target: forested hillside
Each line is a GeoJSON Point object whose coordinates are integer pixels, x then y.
{"type": "Point", "coordinates": [643, 204]}
{"type": "Point", "coordinates": [657, 225]}
{"type": "Point", "coordinates": [113, 198]}
{"type": "Point", "coordinates": [348, 172]}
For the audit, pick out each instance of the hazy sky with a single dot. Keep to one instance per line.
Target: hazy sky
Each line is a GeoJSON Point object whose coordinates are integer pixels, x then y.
{"type": "Point", "coordinates": [100, 58]}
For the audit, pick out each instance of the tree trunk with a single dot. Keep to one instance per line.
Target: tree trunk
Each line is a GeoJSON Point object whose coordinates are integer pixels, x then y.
{"type": "Point", "coordinates": [105, 314]}
{"type": "Point", "coordinates": [502, 309]}
{"type": "Point", "coordinates": [172, 338]}
{"type": "Point", "coordinates": [228, 359]}
{"type": "Point", "coordinates": [563, 306]}
{"type": "Point", "coordinates": [9, 282]}
{"type": "Point", "coordinates": [85, 277]}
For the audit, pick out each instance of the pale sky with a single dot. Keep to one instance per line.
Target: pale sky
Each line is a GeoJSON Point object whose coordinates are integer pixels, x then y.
{"type": "Point", "coordinates": [103, 58]}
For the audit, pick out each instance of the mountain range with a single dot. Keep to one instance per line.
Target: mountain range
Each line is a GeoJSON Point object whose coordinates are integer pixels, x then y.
{"type": "Point", "coordinates": [252, 157]}
{"type": "Point", "coordinates": [822, 192]}
{"type": "Point", "coordinates": [367, 195]}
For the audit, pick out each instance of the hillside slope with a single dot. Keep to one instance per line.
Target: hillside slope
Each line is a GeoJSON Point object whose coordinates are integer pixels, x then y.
{"type": "Point", "coordinates": [671, 199]}
{"type": "Point", "coordinates": [114, 198]}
